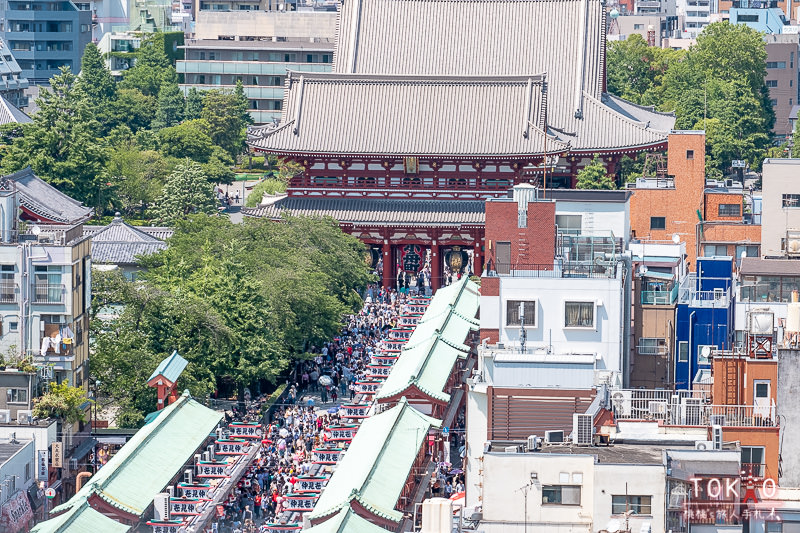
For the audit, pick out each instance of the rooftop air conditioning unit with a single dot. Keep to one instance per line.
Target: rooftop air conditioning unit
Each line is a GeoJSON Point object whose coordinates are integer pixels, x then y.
{"type": "Point", "coordinates": [553, 436]}
{"type": "Point", "coordinates": [5, 416]}
{"type": "Point", "coordinates": [582, 429]}
{"type": "Point", "coordinates": [510, 449]}
{"type": "Point", "coordinates": [691, 411]}
{"type": "Point", "coordinates": [704, 445]}
{"type": "Point", "coordinates": [534, 443]}
{"type": "Point", "coordinates": [716, 437]}
{"type": "Point", "coordinates": [658, 410]}
{"type": "Point", "coordinates": [621, 403]}
{"type": "Point", "coordinates": [161, 507]}
{"type": "Point", "coordinates": [187, 476]}
{"type": "Point", "coordinates": [24, 417]}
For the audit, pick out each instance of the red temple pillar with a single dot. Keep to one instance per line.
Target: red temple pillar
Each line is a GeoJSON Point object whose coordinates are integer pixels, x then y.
{"type": "Point", "coordinates": [388, 265]}
{"type": "Point", "coordinates": [573, 170]}
{"type": "Point", "coordinates": [436, 266]}
{"type": "Point", "coordinates": [477, 259]}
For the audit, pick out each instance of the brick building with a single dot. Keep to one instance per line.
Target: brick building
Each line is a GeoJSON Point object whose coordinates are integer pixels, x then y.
{"type": "Point", "coordinates": [670, 204]}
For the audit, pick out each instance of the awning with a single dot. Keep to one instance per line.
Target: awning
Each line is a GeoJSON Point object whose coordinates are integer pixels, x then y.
{"type": "Point", "coordinates": [35, 496]}
{"type": "Point", "coordinates": [668, 276]}
{"type": "Point", "coordinates": [84, 448]}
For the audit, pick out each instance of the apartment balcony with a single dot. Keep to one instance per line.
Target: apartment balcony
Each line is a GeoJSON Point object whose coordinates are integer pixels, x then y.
{"type": "Point", "coordinates": [8, 293]}
{"type": "Point", "coordinates": [755, 470]}
{"type": "Point", "coordinates": [48, 294]}
{"type": "Point", "coordinates": [662, 297]}
{"type": "Point", "coordinates": [688, 408]}
{"type": "Point", "coordinates": [567, 270]}
{"type": "Point", "coordinates": [690, 293]}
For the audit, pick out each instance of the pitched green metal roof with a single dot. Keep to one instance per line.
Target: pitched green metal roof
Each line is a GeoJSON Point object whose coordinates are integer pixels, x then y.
{"type": "Point", "coordinates": [346, 521]}
{"type": "Point", "coordinates": [377, 463]}
{"type": "Point", "coordinates": [78, 519]}
{"type": "Point", "coordinates": [171, 367]}
{"type": "Point", "coordinates": [427, 365]}
{"type": "Point", "coordinates": [154, 455]}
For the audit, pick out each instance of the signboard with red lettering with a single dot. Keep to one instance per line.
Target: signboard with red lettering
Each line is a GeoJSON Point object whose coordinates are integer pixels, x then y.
{"type": "Point", "coordinates": [212, 469]}
{"type": "Point", "coordinates": [367, 387]}
{"type": "Point", "coordinates": [354, 410]}
{"type": "Point", "coordinates": [326, 456]}
{"type": "Point", "coordinates": [378, 371]}
{"type": "Point", "coordinates": [195, 491]}
{"type": "Point", "coordinates": [232, 446]}
{"type": "Point", "coordinates": [342, 433]}
{"type": "Point", "coordinates": [300, 502]}
{"type": "Point", "coordinates": [400, 333]}
{"type": "Point", "coordinates": [16, 513]}
{"type": "Point", "coordinates": [181, 507]}
{"type": "Point", "coordinates": [245, 431]}
{"type": "Point", "coordinates": [165, 526]}
{"type": "Point", "coordinates": [395, 344]}
{"type": "Point", "coordinates": [310, 484]}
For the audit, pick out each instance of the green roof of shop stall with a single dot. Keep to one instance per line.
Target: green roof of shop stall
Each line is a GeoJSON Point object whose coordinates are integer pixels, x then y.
{"type": "Point", "coordinates": [151, 458]}
{"type": "Point", "coordinates": [346, 521]}
{"type": "Point", "coordinates": [78, 519]}
{"type": "Point", "coordinates": [377, 463]}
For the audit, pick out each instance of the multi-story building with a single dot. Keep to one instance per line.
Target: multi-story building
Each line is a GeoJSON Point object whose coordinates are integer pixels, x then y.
{"type": "Point", "coordinates": [46, 277]}
{"type": "Point", "coordinates": [666, 206]}
{"type": "Point", "coordinates": [655, 27]}
{"type": "Point", "coordinates": [45, 35]}
{"type": "Point", "coordinates": [731, 224]}
{"type": "Point", "coordinates": [782, 79]}
{"type": "Point", "coordinates": [658, 268]}
{"type": "Point", "coordinates": [696, 16]}
{"type": "Point", "coordinates": [703, 320]}
{"type": "Point", "coordinates": [780, 219]}
{"type": "Point", "coordinates": [18, 473]}
{"type": "Point", "coordinates": [257, 56]}
{"type": "Point", "coordinates": [12, 84]}
{"type": "Point", "coordinates": [117, 49]}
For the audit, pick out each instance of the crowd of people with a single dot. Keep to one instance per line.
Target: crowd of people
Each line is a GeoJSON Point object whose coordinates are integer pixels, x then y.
{"type": "Point", "coordinates": [298, 425]}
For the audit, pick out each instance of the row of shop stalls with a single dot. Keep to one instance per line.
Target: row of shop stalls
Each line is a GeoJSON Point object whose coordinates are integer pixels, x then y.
{"type": "Point", "coordinates": [174, 474]}
{"type": "Point", "coordinates": [377, 464]}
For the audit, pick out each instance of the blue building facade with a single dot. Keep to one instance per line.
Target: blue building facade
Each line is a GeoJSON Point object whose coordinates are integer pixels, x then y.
{"type": "Point", "coordinates": [764, 20]}
{"type": "Point", "coordinates": [45, 35]}
{"type": "Point", "coordinates": [704, 319]}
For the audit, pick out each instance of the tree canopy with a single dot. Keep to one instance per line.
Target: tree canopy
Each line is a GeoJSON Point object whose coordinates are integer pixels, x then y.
{"type": "Point", "coordinates": [594, 176]}
{"type": "Point", "coordinates": [238, 301]}
{"type": "Point", "coordinates": [720, 78]}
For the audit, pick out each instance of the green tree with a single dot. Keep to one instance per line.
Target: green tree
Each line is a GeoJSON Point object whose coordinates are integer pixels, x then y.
{"type": "Point", "coordinates": [187, 140]}
{"type": "Point", "coordinates": [194, 104]}
{"type": "Point", "coordinates": [133, 109]}
{"type": "Point", "coordinates": [186, 191]}
{"type": "Point", "coordinates": [61, 401]}
{"type": "Point", "coordinates": [594, 176]}
{"type": "Point", "coordinates": [226, 126]}
{"type": "Point", "coordinates": [267, 186]}
{"type": "Point", "coordinates": [61, 144]}
{"type": "Point", "coordinates": [151, 69]}
{"type": "Point", "coordinates": [171, 105]}
{"type": "Point", "coordinates": [137, 176]}
{"type": "Point", "coordinates": [242, 103]}
{"type": "Point", "coordinates": [95, 80]}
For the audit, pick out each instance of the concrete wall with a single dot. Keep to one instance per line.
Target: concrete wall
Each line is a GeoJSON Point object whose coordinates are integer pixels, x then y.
{"type": "Point", "coordinates": [15, 466]}
{"type": "Point", "coordinates": [550, 295]}
{"type": "Point", "coordinates": [779, 177]}
{"type": "Point", "coordinates": [477, 430]}
{"type": "Point", "coordinates": [635, 480]}
{"type": "Point", "coordinates": [782, 48]}
{"type": "Point", "coordinates": [291, 25]}
{"type": "Point", "coordinates": [599, 217]}
{"type": "Point", "coordinates": [788, 392]}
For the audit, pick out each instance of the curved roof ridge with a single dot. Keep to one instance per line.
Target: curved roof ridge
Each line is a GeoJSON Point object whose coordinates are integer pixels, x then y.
{"type": "Point", "coordinates": [650, 108]}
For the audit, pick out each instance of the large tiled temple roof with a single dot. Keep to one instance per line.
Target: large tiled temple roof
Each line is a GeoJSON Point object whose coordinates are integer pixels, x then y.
{"type": "Point", "coordinates": [415, 116]}
{"type": "Point", "coordinates": [353, 110]}
{"type": "Point", "coordinates": [43, 200]}
{"type": "Point", "coordinates": [377, 211]}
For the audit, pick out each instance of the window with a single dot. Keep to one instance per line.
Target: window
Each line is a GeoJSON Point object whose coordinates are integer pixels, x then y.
{"type": "Point", "coordinates": [513, 315]}
{"type": "Point", "coordinates": [753, 460]}
{"type": "Point", "coordinates": [652, 346]}
{"type": "Point", "coordinates": [638, 26]}
{"type": "Point", "coordinates": [748, 250]}
{"type": "Point", "coordinates": [762, 389]}
{"type": "Point", "coordinates": [702, 350]}
{"type": "Point", "coordinates": [713, 250]}
{"type": "Point", "coordinates": [16, 396]}
{"type": "Point", "coordinates": [635, 504]}
{"type": "Point", "coordinates": [27, 471]}
{"type": "Point", "coordinates": [689, 154]}
{"type": "Point", "coordinates": [579, 314]}
{"type": "Point", "coordinates": [773, 102]}
{"type": "Point", "coordinates": [776, 64]}
{"type": "Point", "coordinates": [772, 83]}
{"type": "Point", "coordinates": [561, 495]}
{"type": "Point", "coordinates": [683, 352]}
{"type": "Point", "coordinates": [309, 58]}
{"type": "Point", "coordinates": [13, 326]}
{"type": "Point", "coordinates": [730, 210]}
{"type": "Point", "coordinates": [658, 223]}
{"type": "Point", "coordinates": [774, 527]}
{"type": "Point", "coordinates": [747, 18]}
{"type": "Point", "coordinates": [569, 224]}
{"type": "Point", "coordinates": [503, 265]}
{"type": "Point", "coordinates": [791, 200]}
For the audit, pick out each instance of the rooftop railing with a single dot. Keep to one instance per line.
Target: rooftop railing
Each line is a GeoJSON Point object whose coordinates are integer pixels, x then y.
{"type": "Point", "coordinates": [568, 270]}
